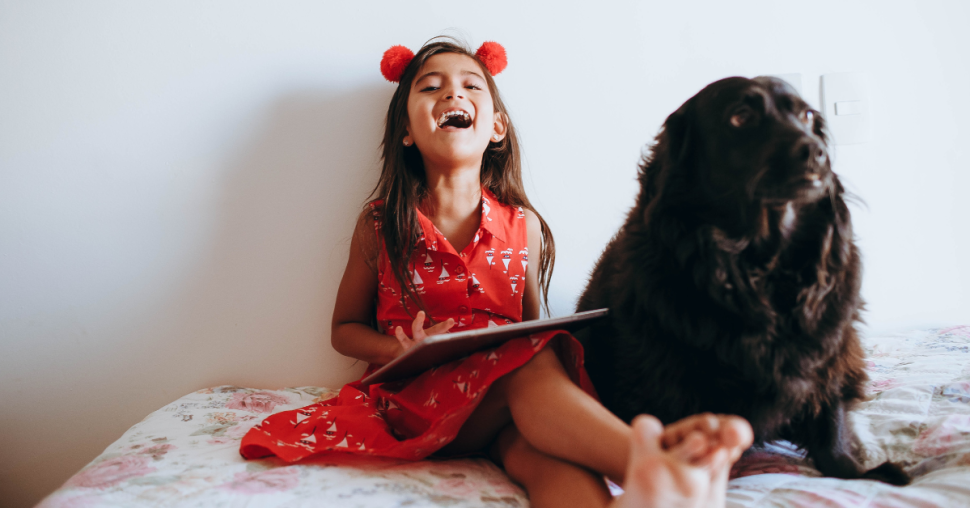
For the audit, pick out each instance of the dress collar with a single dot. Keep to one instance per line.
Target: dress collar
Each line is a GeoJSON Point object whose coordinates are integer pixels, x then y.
{"type": "Point", "coordinates": [494, 217]}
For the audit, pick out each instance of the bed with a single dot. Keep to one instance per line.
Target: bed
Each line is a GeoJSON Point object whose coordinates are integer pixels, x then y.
{"type": "Point", "coordinates": [186, 453]}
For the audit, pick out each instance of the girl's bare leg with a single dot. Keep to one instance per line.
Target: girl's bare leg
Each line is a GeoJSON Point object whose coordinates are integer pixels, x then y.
{"type": "Point", "coordinates": [553, 414]}
{"type": "Point", "coordinates": [550, 482]}
{"type": "Point", "coordinates": [559, 419]}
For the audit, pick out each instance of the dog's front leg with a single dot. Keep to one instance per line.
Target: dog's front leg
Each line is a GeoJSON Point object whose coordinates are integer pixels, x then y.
{"type": "Point", "coordinates": [830, 444]}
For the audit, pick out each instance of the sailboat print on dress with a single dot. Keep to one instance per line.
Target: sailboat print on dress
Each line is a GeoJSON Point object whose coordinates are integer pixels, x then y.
{"type": "Point", "coordinates": [301, 417]}
{"type": "Point", "coordinates": [385, 288]}
{"type": "Point", "coordinates": [343, 444]}
{"type": "Point", "coordinates": [525, 258]}
{"type": "Point", "coordinates": [443, 277]}
{"type": "Point", "coordinates": [332, 430]}
{"type": "Point", "coordinates": [477, 286]}
{"type": "Point", "coordinates": [515, 282]}
{"type": "Point", "coordinates": [462, 386]}
{"type": "Point", "coordinates": [486, 208]}
{"type": "Point", "coordinates": [489, 254]}
{"type": "Point", "coordinates": [520, 214]}
{"type": "Point", "coordinates": [428, 262]}
{"type": "Point", "coordinates": [536, 342]}
{"type": "Point", "coordinates": [308, 441]}
{"type": "Point", "coordinates": [507, 258]}
{"type": "Point", "coordinates": [417, 280]}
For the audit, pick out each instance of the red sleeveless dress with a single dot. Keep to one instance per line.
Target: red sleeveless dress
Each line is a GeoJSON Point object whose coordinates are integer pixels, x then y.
{"type": "Point", "coordinates": [411, 419]}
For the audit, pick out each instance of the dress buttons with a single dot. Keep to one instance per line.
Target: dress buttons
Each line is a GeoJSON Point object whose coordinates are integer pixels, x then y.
{"type": "Point", "coordinates": [460, 269]}
{"type": "Point", "coordinates": [463, 309]}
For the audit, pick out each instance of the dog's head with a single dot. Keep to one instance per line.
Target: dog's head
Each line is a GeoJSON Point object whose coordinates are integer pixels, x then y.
{"type": "Point", "coordinates": [747, 141]}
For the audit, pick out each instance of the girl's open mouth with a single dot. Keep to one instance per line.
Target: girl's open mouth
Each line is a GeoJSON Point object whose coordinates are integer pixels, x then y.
{"type": "Point", "coordinates": [455, 118]}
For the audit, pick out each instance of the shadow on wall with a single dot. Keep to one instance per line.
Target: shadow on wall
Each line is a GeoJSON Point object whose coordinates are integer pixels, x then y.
{"type": "Point", "coordinates": [263, 296]}
{"type": "Point", "coordinates": [248, 303]}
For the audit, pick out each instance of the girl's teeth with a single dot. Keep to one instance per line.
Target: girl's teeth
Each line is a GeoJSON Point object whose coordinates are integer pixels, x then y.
{"type": "Point", "coordinates": [448, 114]}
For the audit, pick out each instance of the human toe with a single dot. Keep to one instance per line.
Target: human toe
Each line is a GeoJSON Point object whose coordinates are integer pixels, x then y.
{"type": "Point", "coordinates": [736, 434]}
{"type": "Point", "coordinates": [647, 431]}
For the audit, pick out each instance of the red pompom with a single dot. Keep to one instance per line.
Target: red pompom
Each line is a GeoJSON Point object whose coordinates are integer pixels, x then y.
{"type": "Point", "coordinates": [395, 61]}
{"type": "Point", "coordinates": [492, 54]}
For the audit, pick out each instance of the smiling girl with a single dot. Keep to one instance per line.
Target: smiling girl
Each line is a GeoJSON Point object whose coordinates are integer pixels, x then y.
{"type": "Point", "coordinates": [452, 239]}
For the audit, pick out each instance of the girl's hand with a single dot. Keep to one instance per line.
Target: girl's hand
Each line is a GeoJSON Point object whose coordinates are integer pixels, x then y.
{"type": "Point", "coordinates": [419, 333]}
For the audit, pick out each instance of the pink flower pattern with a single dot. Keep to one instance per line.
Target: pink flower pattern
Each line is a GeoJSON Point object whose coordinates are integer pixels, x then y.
{"type": "Point", "coordinates": [233, 434]}
{"type": "Point", "coordinates": [259, 402]}
{"type": "Point", "coordinates": [459, 487]}
{"type": "Point", "coordinates": [112, 472]}
{"type": "Point", "coordinates": [272, 480]}
{"type": "Point", "coordinates": [944, 437]}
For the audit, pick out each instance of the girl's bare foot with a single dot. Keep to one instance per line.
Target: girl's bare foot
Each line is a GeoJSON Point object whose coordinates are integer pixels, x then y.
{"type": "Point", "coordinates": [684, 466]}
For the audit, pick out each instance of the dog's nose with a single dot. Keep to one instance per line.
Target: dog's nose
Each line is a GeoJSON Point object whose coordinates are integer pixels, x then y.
{"type": "Point", "coordinates": [808, 152]}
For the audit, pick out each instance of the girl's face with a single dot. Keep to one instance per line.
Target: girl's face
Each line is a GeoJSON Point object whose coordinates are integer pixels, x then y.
{"type": "Point", "coordinates": [451, 117]}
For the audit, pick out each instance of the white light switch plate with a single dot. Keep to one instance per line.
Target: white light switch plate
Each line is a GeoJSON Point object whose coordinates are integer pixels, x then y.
{"type": "Point", "coordinates": [845, 99]}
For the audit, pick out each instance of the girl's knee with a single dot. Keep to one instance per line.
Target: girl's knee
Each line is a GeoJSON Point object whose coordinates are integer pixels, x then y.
{"type": "Point", "coordinates": [517, 456]}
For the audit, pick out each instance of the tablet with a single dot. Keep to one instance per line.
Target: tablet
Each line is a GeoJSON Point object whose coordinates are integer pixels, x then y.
{"type": "Point", "coordinates": [440, 349]}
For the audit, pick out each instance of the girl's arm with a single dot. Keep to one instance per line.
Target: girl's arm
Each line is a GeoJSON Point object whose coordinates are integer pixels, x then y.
{"type": "Point", "coordinates": [350, 333]}
{"type": "Point", "coordinates": [530, 295]}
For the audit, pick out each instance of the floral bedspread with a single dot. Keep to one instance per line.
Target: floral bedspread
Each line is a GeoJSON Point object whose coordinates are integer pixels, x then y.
{"type": "Point", "coordinates": [186, 454]}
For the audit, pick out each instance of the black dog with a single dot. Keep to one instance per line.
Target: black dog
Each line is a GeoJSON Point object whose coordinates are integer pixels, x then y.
{"type": "Point", "coordinates": [734, 284]}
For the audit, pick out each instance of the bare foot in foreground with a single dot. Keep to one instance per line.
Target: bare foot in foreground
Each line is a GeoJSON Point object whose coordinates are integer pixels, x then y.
{"type": "Point", "coordinates": [685, 465]}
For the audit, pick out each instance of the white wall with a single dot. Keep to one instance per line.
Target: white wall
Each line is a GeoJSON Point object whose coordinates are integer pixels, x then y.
{"type": "Point", "coordinates": [178, 180]}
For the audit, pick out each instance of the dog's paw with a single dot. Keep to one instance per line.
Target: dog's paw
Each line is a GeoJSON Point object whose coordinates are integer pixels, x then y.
{"type": "Point", "coordinates": [887, 472]}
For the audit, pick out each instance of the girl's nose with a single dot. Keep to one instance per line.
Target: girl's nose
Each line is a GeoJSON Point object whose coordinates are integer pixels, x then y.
{"type": "Point", "coordinates": [454, 93]}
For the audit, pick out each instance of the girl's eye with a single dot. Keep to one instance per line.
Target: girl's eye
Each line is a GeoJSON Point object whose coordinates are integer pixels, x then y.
{"type": "Point", "coordinates": [473, 87]}
{"type": "Point", "coordinates": [429, 89]}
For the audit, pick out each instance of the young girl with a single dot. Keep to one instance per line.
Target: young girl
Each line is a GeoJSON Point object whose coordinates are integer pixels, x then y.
{"type": "Point", "coordinates": [453, 240]}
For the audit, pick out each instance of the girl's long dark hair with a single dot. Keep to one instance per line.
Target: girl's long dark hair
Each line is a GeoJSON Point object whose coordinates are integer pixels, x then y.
{"type": "Point", "coordinates": [402, 185]}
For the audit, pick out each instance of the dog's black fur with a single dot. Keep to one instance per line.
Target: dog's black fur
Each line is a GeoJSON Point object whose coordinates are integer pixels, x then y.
{"type": "Point", "coordinates": [734, 284]}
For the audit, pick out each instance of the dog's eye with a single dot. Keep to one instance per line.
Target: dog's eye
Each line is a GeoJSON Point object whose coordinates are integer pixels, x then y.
{"type": "Point", "coordinates": [742, 116]}
{"type": "Point", "coordinates": [807, 117]}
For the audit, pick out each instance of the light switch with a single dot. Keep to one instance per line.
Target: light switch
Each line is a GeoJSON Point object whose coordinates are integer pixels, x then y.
{"type": "Point", "coordinates": [848, 108]}
{"type": "Point", "coordinates": [845, 103]}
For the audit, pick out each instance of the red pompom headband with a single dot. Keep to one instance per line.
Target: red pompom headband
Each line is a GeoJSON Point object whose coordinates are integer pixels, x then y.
{"type": "Point", "coordinates": [396, 59]}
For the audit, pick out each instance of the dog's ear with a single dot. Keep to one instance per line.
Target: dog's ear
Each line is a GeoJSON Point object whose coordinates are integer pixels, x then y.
{"type": "Point", "coordinates": [677, 136]}
{"type": "Point", "coordinates": [669, 153]}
